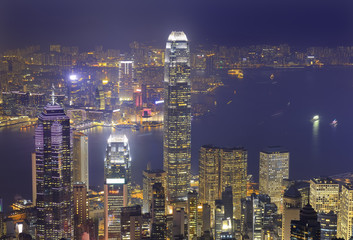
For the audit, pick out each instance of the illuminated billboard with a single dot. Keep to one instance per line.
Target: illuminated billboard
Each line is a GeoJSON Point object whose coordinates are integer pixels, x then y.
{"type": "Point", "coordinates": [115, 180]}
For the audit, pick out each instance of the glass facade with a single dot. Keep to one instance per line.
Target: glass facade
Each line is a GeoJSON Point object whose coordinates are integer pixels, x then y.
{"type": "Point", "coordinates": [53, 174]}
{"type": "Point", "coordinates": [274, 167]}
{"type": "Point", "coordinates": [220, 167]}
{"type": "Point", "coordinates": [117, 188]}
{"type": "Point", "coordinates": [345, 215]}
{"type": "Point", "coordinates": [177, 116]}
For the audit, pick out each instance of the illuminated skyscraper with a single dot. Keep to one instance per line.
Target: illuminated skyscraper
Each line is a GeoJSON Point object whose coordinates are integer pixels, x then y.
{"type": "Point", "coordinates": [117, 184]}
{"type": "Point", "coordinates": [80, 208]}
{"type": "Point", "coordinates": [177, 116]}
{"type": "Point", "coordinates": [34, 179]}
{"type": "Point", "coordinates": [80, 158]}
{"type": "Point", "coordinates": [324, 195]}
{"type": "Point", "coordinates": [126, 78]}
{"type": "Point", "coordinates": [274, 167]}
{"type": "Point", "coordinates": [345, 215]}
{"type": "Point", "coordinates": [75, 87]}
{"type": "Point", "coordinates": [192, 214]}
{"type": "Point", "coordinates": [221, 167]}
{"type": "Point", "coordinates": [100, 98]}
{"type": "Point", "coordinates": [126, 71]}
{"type": "Point", "coordinates": [158, 231]}
{"type": "Point", "coordinates": [53, 174]}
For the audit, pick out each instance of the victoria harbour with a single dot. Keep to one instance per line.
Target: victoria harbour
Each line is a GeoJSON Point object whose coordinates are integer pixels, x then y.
{"type": "Point", "coordinates": [165, 120]}
{"type": "Point", "coordinates": [252, 112]}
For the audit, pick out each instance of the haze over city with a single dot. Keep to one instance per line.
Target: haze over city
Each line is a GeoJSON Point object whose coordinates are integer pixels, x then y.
{"type": "Point", "coordinates": [176, 120]}
{"type": "Point", "coordinates": [114, 24]}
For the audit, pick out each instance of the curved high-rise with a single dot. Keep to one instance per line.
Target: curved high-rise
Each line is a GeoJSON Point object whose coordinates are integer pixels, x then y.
{"type": "Point", "coordinates": [177, 116]}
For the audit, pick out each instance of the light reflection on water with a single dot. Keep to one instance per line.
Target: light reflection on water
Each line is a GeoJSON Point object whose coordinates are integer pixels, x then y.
{"type": "Point", "coordinates": [315, 144]}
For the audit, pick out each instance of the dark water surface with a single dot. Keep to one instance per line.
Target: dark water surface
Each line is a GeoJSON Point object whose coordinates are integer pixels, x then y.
{"type": "Point", "coordinates": [259, 113]}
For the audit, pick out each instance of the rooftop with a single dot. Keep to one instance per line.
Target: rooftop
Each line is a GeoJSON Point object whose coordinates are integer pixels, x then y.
{"type": "Point", "coordinates": [223, 148]}
{"type": "Point", "coordinates": [324, 180]}
{"type": "Point", "coordinates": [274, 149]}
{"type": "Point", "coordinates": [117, 138]}
{"type": "Point", "coordinates": [292, 192]}
{"type": "Point", "coordinates": [177, 36]}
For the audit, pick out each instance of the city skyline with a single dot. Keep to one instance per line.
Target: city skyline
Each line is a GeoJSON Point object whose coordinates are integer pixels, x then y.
{"type": "Point", "coordinates": [189, 121]}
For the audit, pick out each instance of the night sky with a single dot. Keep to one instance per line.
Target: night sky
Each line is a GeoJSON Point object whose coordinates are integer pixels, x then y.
{"type": "Point", "coordinates": [115, 23]}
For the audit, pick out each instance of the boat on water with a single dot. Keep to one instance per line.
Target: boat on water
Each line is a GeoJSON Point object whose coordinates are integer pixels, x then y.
{"type": "Point", "coordinates": [334, 123]}
{"type": "Point", "coordinates": [272, 76]}
{"type": "Point", "coordinates": [236, 72]}
{"type": "Point", "coordinates": [316, 118]}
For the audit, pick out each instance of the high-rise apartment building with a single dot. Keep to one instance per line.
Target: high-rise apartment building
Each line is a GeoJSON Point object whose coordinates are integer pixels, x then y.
{"type": "Point", "coordinates": [53, 174]}
{"type": "Point", "coordinates": [345, 215]}
{"type": "Point", "coordinates": [324, 195]}
{"type": "Point", "coordinates": [117, 186]}
{"type": "Point", "coordinates": [80, 158]}
{"type": "Point", "coordinates": [221, 167]}
{"type": "Point", "coordinates": [177, 116]}
{"type": "Point", "coordinates": [274, 167]}
{"type": "Point", "coordinates": [150, 177]}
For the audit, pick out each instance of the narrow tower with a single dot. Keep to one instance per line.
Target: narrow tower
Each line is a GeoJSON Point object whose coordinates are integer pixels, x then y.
{"type": "Point", "coordinates": [177, 116]}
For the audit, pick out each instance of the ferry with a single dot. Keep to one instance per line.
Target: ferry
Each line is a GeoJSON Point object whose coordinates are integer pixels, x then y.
{"type": "Point", "coordinates": [236, 72]}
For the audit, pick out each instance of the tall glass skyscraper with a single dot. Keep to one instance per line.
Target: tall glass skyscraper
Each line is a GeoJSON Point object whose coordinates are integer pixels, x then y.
{"type": "Point", "coordinates": [220, 167]}
{"type": "Point", "coordinates": [177, 116]}
{"type": "Point", "coordinates": [117, 186]}
{"type": "Point", "coordinates": [274, 167]}
{"type": "Point", "coordinates": [53, 174]}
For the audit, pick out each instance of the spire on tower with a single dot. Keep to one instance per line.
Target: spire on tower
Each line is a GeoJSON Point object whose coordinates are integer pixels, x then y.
{"type": "Point", "coordinates": [53, 95]}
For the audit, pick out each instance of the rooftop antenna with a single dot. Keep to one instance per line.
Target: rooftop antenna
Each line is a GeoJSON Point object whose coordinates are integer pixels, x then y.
{"type": "Point", "coordinates": [53, 95]}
